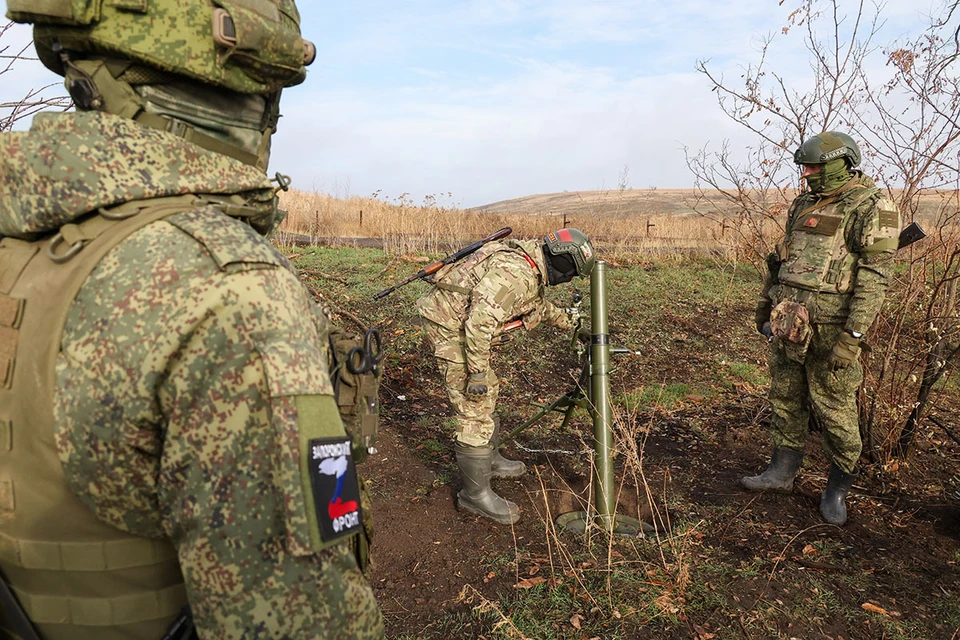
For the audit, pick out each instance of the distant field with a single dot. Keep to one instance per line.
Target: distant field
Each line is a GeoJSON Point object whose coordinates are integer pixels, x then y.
{"type": "Point", "coordinates": [623, 222]}
{"type": "Point", "coordinates": [629, 202]}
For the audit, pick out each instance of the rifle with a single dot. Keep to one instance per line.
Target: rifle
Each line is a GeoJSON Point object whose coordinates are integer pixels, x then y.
{"type": "Point", "coordinates": [450, 259]}
{"type": "Point", "coordinates": [911, 234]}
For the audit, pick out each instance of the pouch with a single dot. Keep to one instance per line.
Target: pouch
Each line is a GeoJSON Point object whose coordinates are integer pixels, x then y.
{"type": "Point", "coordinates": [790, 325]}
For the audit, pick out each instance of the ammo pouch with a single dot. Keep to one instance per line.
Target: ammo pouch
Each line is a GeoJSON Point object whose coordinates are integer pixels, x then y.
{"type": "Point", "coordinates": [790, 324]}
{"type": "Point", "coordinates": [358, 400]}
{"type": "Point", "coordinates": [356, 394]}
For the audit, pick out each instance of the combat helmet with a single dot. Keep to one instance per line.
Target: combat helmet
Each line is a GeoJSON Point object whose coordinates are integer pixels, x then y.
{"type": "Point", "coordinates": [209, 72]}
{"type": "Point", "coordinates": [247, 46]}
{"type": "Point", "coordinates": [827, 146]}
{"type": "Point", "coordinates": [567, 253]}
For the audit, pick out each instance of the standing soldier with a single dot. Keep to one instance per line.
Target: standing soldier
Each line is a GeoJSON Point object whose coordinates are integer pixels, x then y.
{"type": "Point", "coordinates": [168, 428]}
{"type": "Point", "coordinates": [468, 308]}
{"type": "Point", "coordinates": [826, 285]}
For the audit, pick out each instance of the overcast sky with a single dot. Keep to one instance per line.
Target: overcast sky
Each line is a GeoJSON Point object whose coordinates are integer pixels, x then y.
{"type": "Point", "coordinates": [495, 99]}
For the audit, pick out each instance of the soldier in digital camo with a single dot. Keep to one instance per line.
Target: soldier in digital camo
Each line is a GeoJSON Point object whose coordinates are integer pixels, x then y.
{"type": "Point", "coordinates": [826, 284]}
{"type": "Point", "coordinates": [462, 316]}
{"type": "Point", "coordinates": [168, 427]}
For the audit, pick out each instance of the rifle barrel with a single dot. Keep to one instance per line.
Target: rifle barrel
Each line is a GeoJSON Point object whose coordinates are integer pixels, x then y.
{"type": "Point", "coordinates": [436, 266]}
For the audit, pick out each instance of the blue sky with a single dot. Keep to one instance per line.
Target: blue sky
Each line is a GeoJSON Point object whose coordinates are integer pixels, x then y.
{"type": "Point", "coordinates": [494, 99]}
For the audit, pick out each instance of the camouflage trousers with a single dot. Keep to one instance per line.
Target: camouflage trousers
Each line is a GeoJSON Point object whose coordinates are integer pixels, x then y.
{"type": "Point", "coordinates": [797, 389]}
{"type": "Point", "coordinates": [474, 417]}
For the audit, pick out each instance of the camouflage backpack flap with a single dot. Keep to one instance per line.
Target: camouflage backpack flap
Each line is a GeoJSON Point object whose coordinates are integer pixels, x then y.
{"type": "Point", "coordinates": [357, 394]}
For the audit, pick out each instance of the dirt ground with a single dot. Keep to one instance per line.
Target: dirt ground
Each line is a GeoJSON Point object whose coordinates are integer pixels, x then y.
{"type": "Point", "coordinates": [430, 558]}
{"type": "Point", "coordinates": [731, 565]}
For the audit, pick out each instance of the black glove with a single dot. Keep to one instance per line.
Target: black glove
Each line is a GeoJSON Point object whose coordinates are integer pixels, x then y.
{"type": "Point", "coordinates": [477, 386]}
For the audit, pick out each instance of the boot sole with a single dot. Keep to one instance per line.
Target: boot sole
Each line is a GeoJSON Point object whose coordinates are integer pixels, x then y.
{"type": "Point", "coordinates": [465, 506]}
{"type": "Point", "coordinates": [761, 489]}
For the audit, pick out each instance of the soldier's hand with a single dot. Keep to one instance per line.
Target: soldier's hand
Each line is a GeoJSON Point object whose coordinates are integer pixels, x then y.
{"type": "Point", "coordinates": [845, 351]}
{"type": "Point", "coordinates": [477, 386]}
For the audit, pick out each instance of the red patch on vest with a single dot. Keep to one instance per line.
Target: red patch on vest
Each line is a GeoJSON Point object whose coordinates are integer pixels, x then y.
{"type": "Point", "coordinates": [811, 222]}
{"type": "Point", "coordinates": [533, 265]}
{"type": "Point", "coordinates": [565, 235]}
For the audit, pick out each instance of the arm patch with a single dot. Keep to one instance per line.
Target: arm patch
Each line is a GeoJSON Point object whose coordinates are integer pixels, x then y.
{"type": "Point", "coordinates": [336, 491]}
{"type": "Point", "coordinates": [505, 297]}
{"type": "Point", "coordinates": [887, 215]}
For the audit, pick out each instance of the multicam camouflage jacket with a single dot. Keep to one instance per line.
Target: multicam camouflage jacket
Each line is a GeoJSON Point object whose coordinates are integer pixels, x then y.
{"type": "Point", "coordinates": [837, 256]}
{"type": "Point", "coordinates": [191, 381]}
{"type": "Point", "coordinates": [502, 281]}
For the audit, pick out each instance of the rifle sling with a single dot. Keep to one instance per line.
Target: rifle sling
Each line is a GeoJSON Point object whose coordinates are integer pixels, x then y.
{"type": "Point", "coordinates": [452, 287]}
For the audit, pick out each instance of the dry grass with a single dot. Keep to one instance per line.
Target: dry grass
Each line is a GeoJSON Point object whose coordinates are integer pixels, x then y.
{"type": "Point", "coordinates": [624, 224]}
{"type": "Point", "coordinates": [405, 227]}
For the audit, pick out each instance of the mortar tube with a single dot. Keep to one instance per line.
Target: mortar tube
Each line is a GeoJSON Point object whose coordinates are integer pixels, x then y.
{"type": "Point", "coordinates": [603, 490]}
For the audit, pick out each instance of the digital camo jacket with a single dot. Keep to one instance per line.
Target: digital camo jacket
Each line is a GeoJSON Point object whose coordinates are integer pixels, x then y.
{"type": "Point", "coordinates": [502, 281]}
{"type": "Point", "coordinates": [191, 382]}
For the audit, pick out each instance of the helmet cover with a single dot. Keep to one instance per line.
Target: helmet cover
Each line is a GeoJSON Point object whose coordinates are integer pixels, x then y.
{"type": "Point", "coordinates": [247, 46]}
{"type": "Point", "coordinates": [826, 146]}
{"type": "Point", "coordinates": [567, 253]}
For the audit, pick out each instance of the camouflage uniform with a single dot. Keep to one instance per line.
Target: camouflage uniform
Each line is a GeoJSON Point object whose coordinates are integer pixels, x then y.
{"type": "Point", "coordinates": [467, 310]}
{"type": "Point", "coordinates": [836, 260]}
{"type": "Point", "coordinates": [191, 373]}
{"type": "Point", "coordinates": [164, 384]}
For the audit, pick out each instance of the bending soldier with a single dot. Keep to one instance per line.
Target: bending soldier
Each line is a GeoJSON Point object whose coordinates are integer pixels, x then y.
{"type": "Point", "coordinates": [829, 278]}
{"type": "Point", "coordinates": [170, 432]}
{"type": "Point", "coordinates": [468, 308]}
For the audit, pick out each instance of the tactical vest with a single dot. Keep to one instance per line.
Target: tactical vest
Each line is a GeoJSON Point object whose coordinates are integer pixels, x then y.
{"type": "Point", "coordinates": [76, 577]}
{"type": "Point", "coordinates": [814, 256]}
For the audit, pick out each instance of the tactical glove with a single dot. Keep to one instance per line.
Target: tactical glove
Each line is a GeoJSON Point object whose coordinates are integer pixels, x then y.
{"type": "Point", "coordinates": [762, 314]}
{"type": "Point", "coordinates": [845, 351]}
{"type": "Point", "coordinates": [477, 386]}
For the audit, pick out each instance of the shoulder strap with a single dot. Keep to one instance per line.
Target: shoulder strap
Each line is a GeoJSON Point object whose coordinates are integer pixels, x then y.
{"type": "Point", "coordinates": [15, 615]}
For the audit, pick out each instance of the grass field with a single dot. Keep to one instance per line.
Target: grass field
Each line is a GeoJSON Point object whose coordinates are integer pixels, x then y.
{"type": "Point", "coordinates": [690, 419]}
{"type": "Point", "coordinates": [627, 222]}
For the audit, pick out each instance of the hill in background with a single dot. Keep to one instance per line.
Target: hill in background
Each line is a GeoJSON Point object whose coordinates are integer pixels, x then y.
{"type": "Point", "coordinates": [613, 202]}
{"type": "Point", "coordinates": [662, 202]}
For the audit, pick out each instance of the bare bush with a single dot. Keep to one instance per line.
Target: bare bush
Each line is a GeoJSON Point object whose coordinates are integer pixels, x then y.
{"type": "Point", "coordinates": [37, 99]}
{"type": "Point", "coordinates": [902, 104]}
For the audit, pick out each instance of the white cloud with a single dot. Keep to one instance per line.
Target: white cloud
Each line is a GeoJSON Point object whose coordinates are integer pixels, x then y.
{"type": "Point", "coordinates": [491, 99]}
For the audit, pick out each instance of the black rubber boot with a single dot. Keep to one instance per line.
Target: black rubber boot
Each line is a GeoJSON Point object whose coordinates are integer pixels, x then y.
{"type": "Point", "coordinates": [833, 505]}
{"type": "Point", "coordinates": [476, 496]}
{"type": "Point", "coordinates": [778, 475]}
{"type": "Point", "coordinates": [503, 467]}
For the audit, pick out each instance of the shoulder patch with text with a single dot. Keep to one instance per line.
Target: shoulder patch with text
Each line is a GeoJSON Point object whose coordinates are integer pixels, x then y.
{"type": "Point", "coordinates": [336, 492]}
